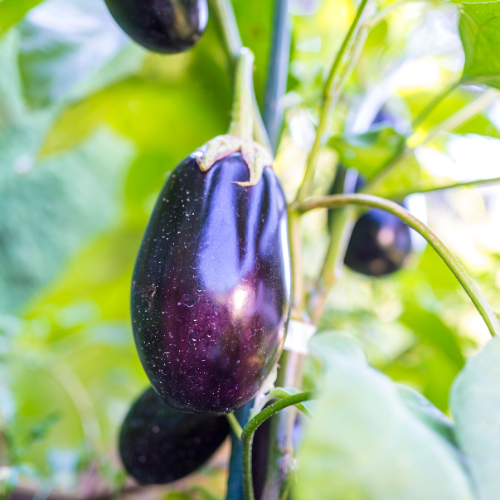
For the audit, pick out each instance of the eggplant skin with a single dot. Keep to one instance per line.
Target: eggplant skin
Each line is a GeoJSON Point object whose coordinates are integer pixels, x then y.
{"type": "Point", "coordinates": [167, 26]}
{"type": "Point", "coordinates": [380, 244]}
{"type": "Point", "coordinates": [159, 444]}
{"type": "Point", "coordinates": [211, 288]}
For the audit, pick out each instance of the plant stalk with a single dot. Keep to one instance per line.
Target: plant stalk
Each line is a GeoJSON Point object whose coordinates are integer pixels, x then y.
{"type": "Point", "coordinates": [249, 431]}
{"type": "Point", "coordinates": [331, 94]}
{"type": "Point", "coordinates": [278, 72]}
{"type": "Point", "coordinates": [479, 182]}
{"type": "Point", "coordinates": [449, 259]}
{"type": "Point", "coordinates": [242, 113]}
{"type": "Point", "coordinates": [223, 14]}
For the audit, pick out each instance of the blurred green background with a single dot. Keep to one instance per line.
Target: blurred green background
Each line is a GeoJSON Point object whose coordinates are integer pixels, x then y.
{"type": "Point", "coordinates": [90, 127]}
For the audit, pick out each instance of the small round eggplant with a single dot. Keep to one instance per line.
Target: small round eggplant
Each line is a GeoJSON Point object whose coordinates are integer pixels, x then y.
{"type": "Point", "coordinates": [159, 444]}
{"type": "Point", "coordinates": [380, 242]}
{"type": "Point", "coordinates": [168, 26]}
{"type": "Point", "coordinates": [211, 287]}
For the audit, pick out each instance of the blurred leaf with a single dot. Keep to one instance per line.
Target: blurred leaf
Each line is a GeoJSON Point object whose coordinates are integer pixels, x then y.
{"type": "Point", "coordinates": [49, 213]}
{"type": "Point", "coordinates": [475, 404]}
{"type": "Point", "coordinates": [63, 44]}
{"type": "Point", "coordinates": [429, 327]}
{"type": "Point", "coordinates": [368, 152]}
{"type": "Point", "coordinates": [365, 444]}
{"type": "Point", "coordinates": [12, 11]}
{"type": "Point", "coordinates": [479, 28]}
{"type": "Point", "coordinates": [425, 411]}
{"type": "Point", "coordinates": [41, 428]}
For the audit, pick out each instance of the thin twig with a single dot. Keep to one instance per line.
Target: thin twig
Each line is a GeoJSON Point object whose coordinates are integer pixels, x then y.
{"type": "Point", "coordinates": [331, 93]}
{"type": "Point", "coordinates": [443, 251]}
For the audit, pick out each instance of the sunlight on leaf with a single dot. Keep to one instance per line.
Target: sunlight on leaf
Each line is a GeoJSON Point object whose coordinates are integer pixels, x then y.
{"type": "Point", "coordinates": [479, 29]}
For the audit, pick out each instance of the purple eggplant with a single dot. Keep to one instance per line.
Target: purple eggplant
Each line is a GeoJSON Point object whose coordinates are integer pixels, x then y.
{"type": "Point", "coordinates": [159, 444]}
{"type": "Point", "coordinates": [211, 287]}
{"type": "Point", "coordinates": [380, 242]}
{"type": "Point", "coordinates": [168, 26]}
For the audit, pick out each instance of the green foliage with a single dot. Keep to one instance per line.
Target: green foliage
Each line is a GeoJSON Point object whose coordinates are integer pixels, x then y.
{"type": "Point", "coordinates": [12, 11]}
{"type": "Point", "coordinates": [475, 403]}
{"type": "Point", "coordinates": [479, 30]}
{"type": "Point", "coordinates": [366, 444]}
{"type": "Point", "coordinates": [91, 125]}
{"type": "Point", "coordinates": [368, 152]}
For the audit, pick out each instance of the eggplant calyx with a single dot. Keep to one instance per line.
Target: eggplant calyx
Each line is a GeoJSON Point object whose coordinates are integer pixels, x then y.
{"type": "Point", "coordinates": [256, 156]}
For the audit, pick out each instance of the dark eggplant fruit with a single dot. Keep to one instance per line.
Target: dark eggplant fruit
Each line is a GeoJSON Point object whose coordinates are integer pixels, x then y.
{"type": "Point", "coordinates": [168, 26]}
{"type": "Point", "coordinates": [159, 444]}
{"type": "Point", "coordinates": [380, 242]}
{"type": "Point", "coordinates": [211, 287]}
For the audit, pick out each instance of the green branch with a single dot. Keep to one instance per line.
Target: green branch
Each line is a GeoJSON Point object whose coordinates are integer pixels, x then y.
{"type": "Point", "coordinates": [331, 94]}
{"type": "Point", "coordinates": [242, 114]}
{"type": "Point", "coordinates": [223, 13]}
{"type": "Point", "coordinates": [235, 425]}
{"type": "Point", "coordinates": [479, 182]}
{"type": "Point", "coordinates": [252, 426]}
{"type": "Point", "coordinates": [450, 260]}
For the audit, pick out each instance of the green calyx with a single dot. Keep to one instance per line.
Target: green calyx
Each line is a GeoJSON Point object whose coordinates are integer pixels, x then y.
{"type": "Point", "coordinates": [256, 157]}
{"type": "Point", "coordinates": [240, 135]}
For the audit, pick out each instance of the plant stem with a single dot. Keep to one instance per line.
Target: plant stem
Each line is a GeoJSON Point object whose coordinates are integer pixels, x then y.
{"type": "Point", "coordinates": [331, 94]}
{"type": "Point", "coordinates": [223, 13]}
{"type": "Point", "coordinates": [479, 182]}
{"type": "Point", "coordinates": [450, 260]}
{"type": "Point", "coordinates": [235, 479]}
{"type": "Point", "coordinates": [342, 224]}
{"type": "Point", "coordinates": [278, 72]}
{"type": "Point", "coordinates": [242, 119]}
{"type": "Point", "coordinates": [225, 18]}
{"type": "Point", "coordinates": [249, 431]}
{"type": "Point", "coordinates": [295, 241]}
{"type": "Point", "coordinates": [235, 425]}
{"type": "Point", "coordinates": [434, 104]}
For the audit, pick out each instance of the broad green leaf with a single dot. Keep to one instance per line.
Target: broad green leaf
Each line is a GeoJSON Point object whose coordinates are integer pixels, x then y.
{"type": "Point", "coordinates": [368, 152]}
{"type": "Point", "coordinates": [475, 405]}
{"type": "Point", "coordinates": [12, 11]}
{"type": "Point", "coordinates": [479, 28]}
{"type": "Point", "coordinates": [425, 411]}
{"type": "Point", "coordinates": [64, 44]}
{"type": "Point", "coordinates": [365, 444]}
{"type": "Point", "coordinates": [56, 207]}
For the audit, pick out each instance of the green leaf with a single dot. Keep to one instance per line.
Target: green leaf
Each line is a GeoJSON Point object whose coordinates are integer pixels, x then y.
{"type": "Point", "coordinates": [365, 444]}
{"type": "Point", "coordinates": [60, 205]}
{"type": "Point", "coordinates": [425, 411]}
{"type": "Point", "coordinates": [475, 405]}
{"type": "Point", "coordinates": [12, 11]}
{"type": "Point", "coordinates": [479, 28]}
{"type": "Point", "coordinates": [64, 44]}
{"type": "Point", "coordinates": [368, 152]}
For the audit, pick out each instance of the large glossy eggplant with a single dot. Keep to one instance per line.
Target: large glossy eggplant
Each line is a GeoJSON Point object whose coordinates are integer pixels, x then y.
{"type": "Point", "coordinates": [211, 287]}
{"type": "Point", "coordinates": [159, 444]}
{"type": "Point", "coordinates": [380, 242]}
{"type": "Point", "coordinates": [167, 26]}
